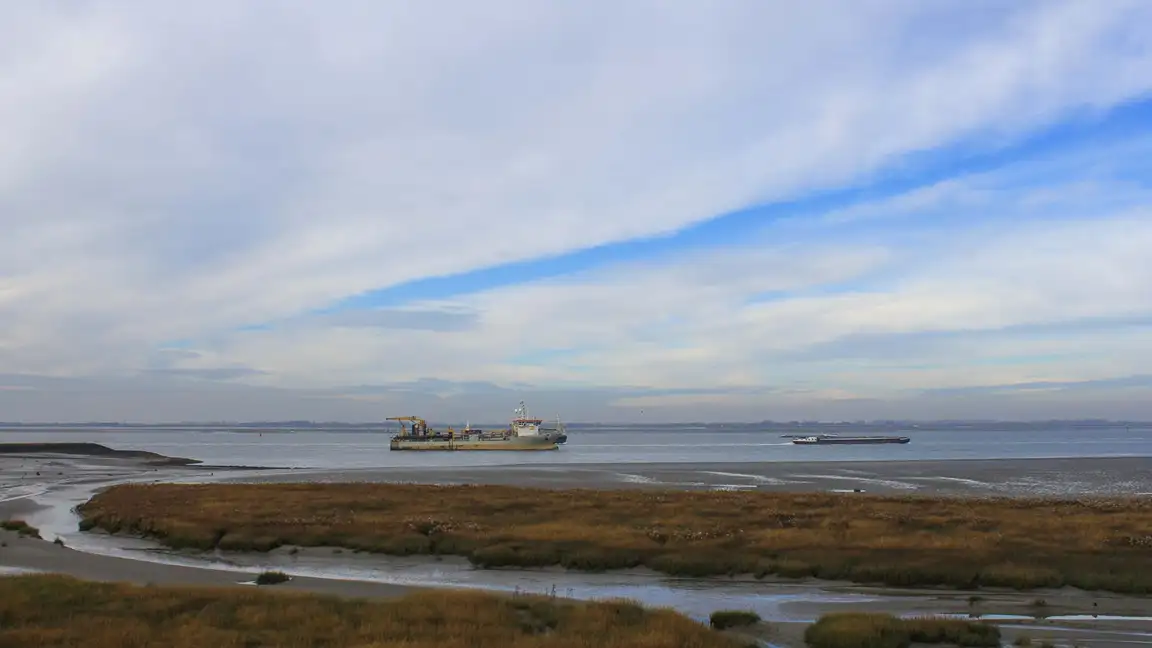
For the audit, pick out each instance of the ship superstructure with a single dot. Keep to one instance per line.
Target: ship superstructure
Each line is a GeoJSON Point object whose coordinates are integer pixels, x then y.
{"type": "Point", "coordinates": [526, 425]}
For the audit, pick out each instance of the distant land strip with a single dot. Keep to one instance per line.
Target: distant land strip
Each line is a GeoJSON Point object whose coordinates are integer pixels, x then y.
{"type": "Point", "coordinates": [93, 450]}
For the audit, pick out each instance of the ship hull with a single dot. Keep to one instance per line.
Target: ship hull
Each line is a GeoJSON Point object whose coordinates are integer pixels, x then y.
{"type": "Point", "coordinates": [850, 440]}
{"type": "Point", "coordinates": [510, 444]}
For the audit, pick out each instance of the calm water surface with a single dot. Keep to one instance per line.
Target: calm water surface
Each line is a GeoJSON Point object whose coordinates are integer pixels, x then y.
{"type": "Point", "coordinates": [342, 449]}
{"type": "Point", "coordinates": [696, 597]}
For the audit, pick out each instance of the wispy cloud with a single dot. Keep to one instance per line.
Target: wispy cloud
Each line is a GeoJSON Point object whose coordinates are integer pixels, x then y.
{"type": "Point", "coordinates": [250, 198]}
{"type": "Point", "coordinates": [1143, 382]}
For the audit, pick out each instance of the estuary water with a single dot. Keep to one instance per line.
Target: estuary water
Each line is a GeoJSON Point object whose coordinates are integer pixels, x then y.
{"type": "Point", "coordinates": [369, 449]}
{"type": "Point", "coordinates": [60, 488]}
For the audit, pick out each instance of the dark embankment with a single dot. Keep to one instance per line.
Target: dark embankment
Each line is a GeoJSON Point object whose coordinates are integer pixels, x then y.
{"type": "Point", "coordinates": [93, 450]}
{"type": "Point", "coordinates": [1092, 543]}
{"type": "Point", "coordinates": [850, 630]}
{"type": "Point", "coordinates": [57, 611]}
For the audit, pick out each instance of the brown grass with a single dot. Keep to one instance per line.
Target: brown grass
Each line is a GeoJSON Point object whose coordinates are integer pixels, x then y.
{"type": "Point", "coordinates": [58, 612]}
{"type": "Point", "coordinates": [21, 527]}
{"type": "Point", "coordinates": [914, 541]}
{"type": "Point", "coordinates": [855, 630]}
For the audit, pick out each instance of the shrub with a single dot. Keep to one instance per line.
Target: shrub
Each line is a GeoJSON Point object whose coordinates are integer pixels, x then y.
{"type": "Point", "coordinates": [857, 630]}
{"type": "Point", "coordinates": [724, 619]}
{"type": "Point", "coordinates": [21, 527]}
{"type": "Point", "coordinates": [272, 578]}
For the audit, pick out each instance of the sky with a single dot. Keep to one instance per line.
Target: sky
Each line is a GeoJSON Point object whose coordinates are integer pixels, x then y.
{"type": "Point", "coordinates": [617, 211]}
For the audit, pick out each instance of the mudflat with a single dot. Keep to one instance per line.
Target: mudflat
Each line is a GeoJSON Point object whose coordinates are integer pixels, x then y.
{"type": "Point", "coordinates": [22, 553]}
{"type": "Point", "coordinates": [1011, 477]}
{"type": "Point", "coordinates": [81, 449]}
{"type": "Point", "coordinates": [30, 468]}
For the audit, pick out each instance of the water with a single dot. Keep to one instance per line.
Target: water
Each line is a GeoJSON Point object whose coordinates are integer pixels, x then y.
{"type": "Point", "coordinates": [17, 571]}
{"type": "Point", "coordinates": [344, 449]}
{"type": "Point", "coordinates": [695, 597]}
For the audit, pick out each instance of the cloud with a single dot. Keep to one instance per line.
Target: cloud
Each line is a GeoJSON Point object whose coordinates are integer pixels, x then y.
{"type": "Point", "coordinates": [1143, 382]}
{"type": "Point", "coordinates": [1021, 302]}
{"type": "Point", "coordinates": [155, 188]}
{"type": "Point", "coordinates": [214, 373]}
{"type": "Point", "coordinates": [397, 318]}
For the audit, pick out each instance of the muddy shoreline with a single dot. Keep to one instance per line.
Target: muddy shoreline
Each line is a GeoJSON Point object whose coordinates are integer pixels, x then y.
{"type": "Point", "coordinates": [961, 477]}
{"type": "Point", "coordinates": [92, 450]}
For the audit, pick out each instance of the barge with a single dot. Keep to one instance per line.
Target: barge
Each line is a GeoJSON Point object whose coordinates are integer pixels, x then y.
{"type": "Point", "coordinates": [524, 433]}
{"type": "Point", "coordinates": [847, 440]}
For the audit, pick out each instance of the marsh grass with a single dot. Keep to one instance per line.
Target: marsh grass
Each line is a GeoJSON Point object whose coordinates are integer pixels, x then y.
{"type": "Point", "coordinates": [21, 527]}
{"type": "Point", "coordinates": [58, 612]}
{"type": "Point", "coordinates": [1093, 543]}
{"type": "Point", "coordinates": [725, 619]}
{"type": "Point", "coordinates": [856, 630]}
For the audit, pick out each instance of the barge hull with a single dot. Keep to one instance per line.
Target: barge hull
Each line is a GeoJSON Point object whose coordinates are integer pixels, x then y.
{"type": "Point", "coordinates": [513, 445]}
{"type": "Point", "coordinates": [850, 440]}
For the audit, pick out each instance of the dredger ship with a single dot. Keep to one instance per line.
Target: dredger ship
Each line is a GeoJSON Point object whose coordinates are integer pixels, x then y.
{"type": "Point", "coordinates": [524, 433]}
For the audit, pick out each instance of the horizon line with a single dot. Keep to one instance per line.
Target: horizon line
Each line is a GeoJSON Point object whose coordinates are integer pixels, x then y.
{"type": "Point", "coordinates": [304, 423]}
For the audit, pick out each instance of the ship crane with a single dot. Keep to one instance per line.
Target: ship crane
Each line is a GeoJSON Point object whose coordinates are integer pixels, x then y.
{"type": "Point", "coordinates": [419, 425]}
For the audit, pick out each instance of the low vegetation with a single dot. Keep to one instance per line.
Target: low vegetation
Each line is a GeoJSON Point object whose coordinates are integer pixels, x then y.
{"type": "Point", "coordinates": [20, 527]}
{"type": "Point", "coordinates": [854, 630]}
{"type": "Point", "coordinates": [1093, 543]}
{"type": "Point", "coordinates": [272, 578]}
{"type": "Point", "coordinates": [725, 619]}
{"type": "Point", "coordinates": [57, 612]}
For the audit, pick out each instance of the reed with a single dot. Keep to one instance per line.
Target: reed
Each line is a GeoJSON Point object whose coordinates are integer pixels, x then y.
{"type": "Point", "coordinates": [57, 612]}
{"type": "Point", "coordinates": [855, 630]}
{"type": "Point", "coordinates": [1093, 543]}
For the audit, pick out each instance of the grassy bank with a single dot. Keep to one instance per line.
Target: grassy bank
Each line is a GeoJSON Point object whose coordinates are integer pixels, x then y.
{"type": "Point", "coordinates": [20, 527]}
{"type": "Point", "coordinates": [851, 630]}
{"type": "Point", "coordinates": [56, 611]}
{"type": "Point", "coordinates": [902, 541]}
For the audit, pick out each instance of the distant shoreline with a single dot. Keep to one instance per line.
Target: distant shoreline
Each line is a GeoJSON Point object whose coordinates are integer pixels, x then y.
{"type": "Point", "coordinates": [767, 427]}
{"type": "Point", "coordinates": [93, 450]}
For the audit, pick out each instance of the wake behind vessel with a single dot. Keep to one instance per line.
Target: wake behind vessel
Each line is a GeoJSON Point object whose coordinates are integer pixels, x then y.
{"type": "Point", "coordinates": [524, 433]}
